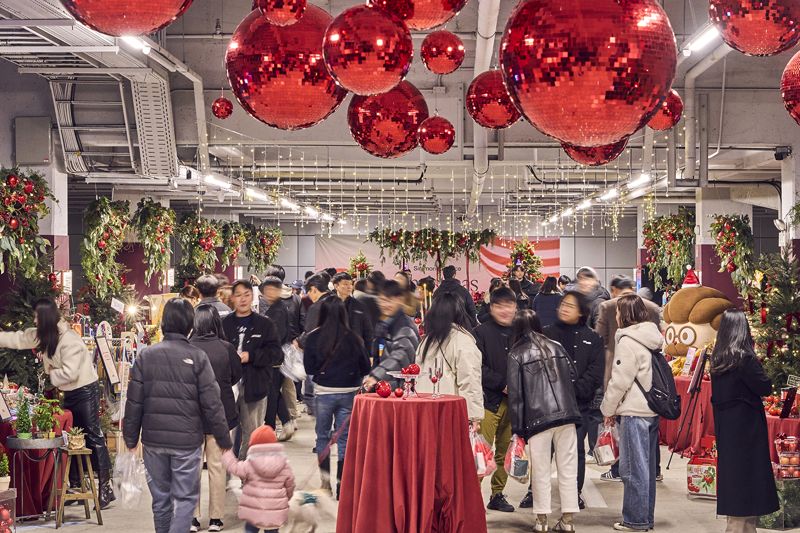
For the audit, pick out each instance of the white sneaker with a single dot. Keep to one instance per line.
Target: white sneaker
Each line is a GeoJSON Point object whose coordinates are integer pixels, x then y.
{"type": "Point", "coordinates": [590, 460]}
{"type": "Point", "coordinates": [287, 431]}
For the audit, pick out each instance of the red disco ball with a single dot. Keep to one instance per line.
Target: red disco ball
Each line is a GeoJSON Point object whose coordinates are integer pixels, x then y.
{"type": "Point", "coordinates": [588, 73]}
{"type": "Point", "coordinates": [277, 73]}
{"type": "Point", "coordinates": [442, 52]}
{"type": "Point", "coordinates": [368, 51]}
{"type": "Point", "coordinates": [669, 112]}
{"type": "Point", "coordinates": [222, 108]}
{"type": "Point", "coordinates": [595, 156]}
{"type": "Point", "coordinates": [757, 27]}
{"type": "Point", "coordinates": [436, 135]}
{"type": "Point", "coordinates": [126, 17]}
{"type": "Point", "coordinates": [488, 102]}
{"type": "Point", "coordinates": [790, 87]}
{"type": "Point", "coordinates": [386, 125]}
{"type": "Point", "coordinates": [422, 14]}
{"type": "Point", "coordinates": [282, 12]}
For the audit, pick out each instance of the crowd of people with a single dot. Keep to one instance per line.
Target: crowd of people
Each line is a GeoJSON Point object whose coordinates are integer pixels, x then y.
{"type": "Point", "coordinates": [551, 363]}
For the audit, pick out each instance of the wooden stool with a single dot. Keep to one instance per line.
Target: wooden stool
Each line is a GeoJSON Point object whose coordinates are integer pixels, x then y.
{"type": "Point", "coordinates": [83, 459]}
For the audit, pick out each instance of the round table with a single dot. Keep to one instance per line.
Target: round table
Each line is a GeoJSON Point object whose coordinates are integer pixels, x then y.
{"type": "Point", "coordinates": [409, 468]}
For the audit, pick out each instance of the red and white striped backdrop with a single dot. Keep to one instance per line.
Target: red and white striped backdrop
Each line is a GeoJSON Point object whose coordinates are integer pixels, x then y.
{"type": "Point", "coordinates": [495, 257]}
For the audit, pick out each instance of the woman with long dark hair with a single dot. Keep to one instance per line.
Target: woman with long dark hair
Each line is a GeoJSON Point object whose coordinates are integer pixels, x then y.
{"type": "Point", "coordinates": [447, 336]}
{"type": "Point", "coordinates": [338, 360]}
{"type": "Point", "coordinates": [745, 483]}
{"type": "Point", "coordinates": [209, 336]}
{"type": "Point", "coordinates": [545, 304]}
{"type": "Point", "coordinates": [70, 367]}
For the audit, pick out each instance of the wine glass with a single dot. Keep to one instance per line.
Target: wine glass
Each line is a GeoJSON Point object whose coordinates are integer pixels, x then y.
{"type": "Point", "coordinates": [435, 374]}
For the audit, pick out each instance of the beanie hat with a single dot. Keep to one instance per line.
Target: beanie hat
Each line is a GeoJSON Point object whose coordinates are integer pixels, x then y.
{"type": "Point", "coordinates": [263, 435]}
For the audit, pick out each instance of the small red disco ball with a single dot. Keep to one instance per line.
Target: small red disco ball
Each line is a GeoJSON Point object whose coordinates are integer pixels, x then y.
{"type": "Point", "coordinates": [669, 112]}
{"type": "Point", "coordinates": [588, 73]}
{"type": "Point", "coordinates": [126, 17]}
{"type": "Point", "coordinates": [595, 156]}
{"type": "Point", "coordinates": [367, 50]}
{"type": "Point", "coordinates": [277, 73]}
{"type": "Point", "coordinates": [488, 101]}
{"type": "Point", "coordinates": [436, 135]}
{"type": "Point", "coordinates": [282, 12]}
{"type": "Point", "coordinates": [222, 108]}
{"type": "Point", "coordinates": [790, 87]}
{"type": "Point", "coordinates": [442, 52]}
{"type": "Point", "coordinates": [421, 14]}
{"type": "Point", "coordinates": [386, 125]}
{"type": "Point", "coordinates": [757, 27]}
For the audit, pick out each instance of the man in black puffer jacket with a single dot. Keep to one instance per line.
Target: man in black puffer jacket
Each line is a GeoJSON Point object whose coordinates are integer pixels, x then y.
{"type": "Point", "coordinates": [172, 392]}
{"type": "Point", "coordinates": [452, 285]}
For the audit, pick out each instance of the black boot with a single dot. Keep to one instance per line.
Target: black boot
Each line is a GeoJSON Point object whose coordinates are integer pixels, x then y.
{"type": "Point", "coordinates": [339, 470]}
{"type": "Point", "coordinates": [106, 490]}
{"type": "Point", "coordinates": [325, 473]}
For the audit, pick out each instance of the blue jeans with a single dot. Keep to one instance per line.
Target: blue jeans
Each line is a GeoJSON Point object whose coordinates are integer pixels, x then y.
{"type": "Point", "coordinates": [333, 409]}
{"type": "Point", "coordinates": [638, 449]}
{"type": "Point", "coordinates": [173, 477]}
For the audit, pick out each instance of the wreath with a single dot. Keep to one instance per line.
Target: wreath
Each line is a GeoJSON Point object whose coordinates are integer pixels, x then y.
{"type": "Point", "coordinates": [262, 246]}
{"type": "Point", "coordinates": [359, 266]}
{"type": "Point", "coordinates": [234, 235]}
{"type": "Point", "coordinates": [733, 242]}
{"type": "Point", "coordinates": [198, 238]}
{"type": "Point", "coordinates": [105, 224]}
{"type": "Point", "coordinates": [154, 224]}
{"type": "Point", "coordinates": [524, 254]}
{"type": "Point", "coordinates": [22, 205]}
{"type": "Point", "coordinates": [669, 243]}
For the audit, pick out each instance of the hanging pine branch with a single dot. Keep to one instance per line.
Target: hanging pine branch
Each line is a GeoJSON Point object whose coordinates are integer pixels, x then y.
{"type": "Point", "coordinates": [154, 225]}
{"type": "Point", "coordinates": [104, 224]}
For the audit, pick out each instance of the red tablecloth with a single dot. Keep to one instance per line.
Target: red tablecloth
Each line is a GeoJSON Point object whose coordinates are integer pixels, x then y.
{"type": "Point", "coordinates": [38, 476]}
{"type": "Point", "coordinates": [409, 468]}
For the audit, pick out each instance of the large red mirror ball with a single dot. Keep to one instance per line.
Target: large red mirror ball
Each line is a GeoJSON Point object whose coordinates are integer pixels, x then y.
{"type": "Point", "coordinates": [488, 102]}
{"type": "Point", "coordinates": [386, 125]}
{"type": "Point", "coordinates": [594, 156]}
{"type": "Point", "coordinates": [436, 135]}
{"type": "Point", "coordinates": [367, 50]}
{"type": "Point", "coordinates": [588, 73]}
{"type": "Point", "coordinates": [126, 17]}
{"type": "Point", "coordinates": [790, 87]}
{"type": "Point", "coordinates": [277, 73]}
{"type": "Point", "coordinates": [669, 112]}
{"type": "Point", "coordinates": [757, 27]}
{"type": "Point", "coordinates": [282, 12]}
{"type": "Point", "coordinates": [422, 14]}
{"type": "Point", "coordinates": [442, 52]}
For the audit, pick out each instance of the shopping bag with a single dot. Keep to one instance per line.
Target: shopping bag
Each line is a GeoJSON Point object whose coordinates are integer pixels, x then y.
{"type": "Point", "coordinates": [293, 367]}
{"type": "Point", "coordinates": [606, 450]}
{"type": "Point", "coordinates": [516, 463]}
{"type": "Point", "coordinates": [129, 479]}
{"type": "Point", "coordinates": [483, 454]}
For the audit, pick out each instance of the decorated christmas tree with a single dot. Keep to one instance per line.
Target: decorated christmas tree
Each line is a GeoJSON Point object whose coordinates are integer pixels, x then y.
{"type": "Point", "coordinates": [524, 254]}
{"type": "Point", "coordinates": [359, 266]}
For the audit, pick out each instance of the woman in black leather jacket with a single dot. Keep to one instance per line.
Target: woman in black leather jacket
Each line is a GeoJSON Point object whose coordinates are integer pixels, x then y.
{"type": "Point", "coordinates": [544, 412]}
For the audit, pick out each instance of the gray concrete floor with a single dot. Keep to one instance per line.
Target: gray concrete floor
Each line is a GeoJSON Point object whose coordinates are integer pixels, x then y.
{"type": "Point", "coordinates": [675, 512]}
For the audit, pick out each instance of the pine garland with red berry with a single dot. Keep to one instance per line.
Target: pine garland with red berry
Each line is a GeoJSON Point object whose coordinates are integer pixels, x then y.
{"type": "Point", "coordinates": [359, 266]}
{"type": "Point", "coordinates": [104, 229]}
{"type": "Point", "coordinates": [263, 245]}
{"type": "Point", "coordinates": [419, 246]}
{"type": "Point", "coordinates": [734, 244]}
{"type": "Point", "coordinates": [669, 243]}
{"type": "Point", "coordinates": [154, 225]}
{"type": "Point", "coordinates": [234, 236]}
{"type": "Point", "coordinates": [198, 238]}
{"type": "Point", "coordinates": [524, 254]}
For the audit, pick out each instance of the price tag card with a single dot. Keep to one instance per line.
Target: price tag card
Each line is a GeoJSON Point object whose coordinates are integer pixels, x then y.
{"type": "Point", "coordinates": [117, 305]}
{"type": "Point", "coordinates": [104, 345]}
{"type": "Point", "coordinates": [793, 381]}
{"type": "Point", "coordinates": [5, 412]}
{"type": "Point", "coordinates": [687, 364]}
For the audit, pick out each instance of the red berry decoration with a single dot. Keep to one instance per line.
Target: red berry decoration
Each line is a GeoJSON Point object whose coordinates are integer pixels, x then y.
{"type": "Point", "coordinates": [22, 240]}
{"type": "Point", "coordinates": [596, 155]}
{"type": "Point", "coordinates": [383, 389]}
{"type": "Point", "coordinates": [52, 277]}
{"type": "Point", "coordinates": [282, 12]}
{"type": "Point", "coordinates": [222, 108]}
{"type": "Point", "coordinates": [488, 101]}
{"type": "Point", "coordinates": [12, 181]}
{"type": "Point", "coordinates": [434, 379]}
{"type": "Point", "coordinates": [669, 112]}
{"type": "Point", "coordinates": [101, 244]}
{"type": "Point", "coordinates": [13, 223]}
{"type": "Point", "coordinates": [418, 321]}
{"type": "Point", "coordinates": [398, 392]}
{"type": "Point", "coordinates": [436, 135]}
{"type": "Point", "coordinates": [124, 18]}
{"type": "Point", "coordinates": [442, 52]}
{"type": "Point", "coordinates": [28, 187]}
{"type": "Point", "coordinates": [757, 27]}
{"type": "Point", "coordinates": [731, 267]}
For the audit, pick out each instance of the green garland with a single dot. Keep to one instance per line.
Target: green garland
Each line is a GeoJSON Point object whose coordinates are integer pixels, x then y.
{"type": "Point", "coordinates": [104, 224]}
{"type": "Point", "coordinates": [524, 253]}
{"type": "Point", "coordinates": [669, 243]}
{"type": "Point", "coordinates": [734, 244]}
{"type": "Point", "coordinates": [154, 224]}
{"type": "Point", "coordinates": [262, 246]}
{"type": "Point", "coordinates": [198, 237]}
{"type": "Point", "coordinates": [404, 246]}
{"type": "Point", "coordinates": [23, 204]}
{"type": "Point", "coordinates": [234, 235]}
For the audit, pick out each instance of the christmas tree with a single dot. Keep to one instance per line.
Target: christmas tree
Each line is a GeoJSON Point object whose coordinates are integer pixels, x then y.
{"type": "Point", "coordinates": [524, 254]}
{"type": "Point", "coordinates": [359, 266]}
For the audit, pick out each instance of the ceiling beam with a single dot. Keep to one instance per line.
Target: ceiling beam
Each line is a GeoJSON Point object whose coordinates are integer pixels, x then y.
{"type": "Point", "coordinates": [36, 23]}
{"type": "Point", "coordinates": [11, 50]}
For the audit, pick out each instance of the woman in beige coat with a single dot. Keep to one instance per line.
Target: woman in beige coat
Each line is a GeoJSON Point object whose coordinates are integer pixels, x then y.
{"type": "Point", "coordinates": [447, 337]}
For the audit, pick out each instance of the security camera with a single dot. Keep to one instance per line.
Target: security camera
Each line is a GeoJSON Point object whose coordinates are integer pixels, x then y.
{"type": "Point", "coordinates": [782, 152]}
{"type": "Point", "coordinates": [202, 190]}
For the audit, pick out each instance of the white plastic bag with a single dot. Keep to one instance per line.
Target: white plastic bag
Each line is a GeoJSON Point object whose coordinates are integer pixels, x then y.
{"type": "Point", "coordinates": [606, 450]}
{"type": "Point", "coordinates": [482, 452]}
{"type": "Point", "coordinates": [293, 367]}
{"type": "Point", "coordinates": [129, 479]}
{"type": "Point", "coordinates": [516, 464]}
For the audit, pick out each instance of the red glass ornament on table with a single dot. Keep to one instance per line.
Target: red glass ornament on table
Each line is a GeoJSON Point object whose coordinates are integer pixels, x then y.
{"type": "Point", "coordinates": [488, 101]}
{"type": "Point", "coordinates": [126, 17]}
{"type": "Point", "coordinates": [277, 73]}
{"type": "Point", "coordinates": [367, 50]}
{"type": "Point", "coordinates": [222, 108]}
{"type": "Point", "coordinates": [281, 12]}
{"type": "Point", "coordinates": [669, 112]}
{"type": "Point", "coordinates": [757, 27]}
{"type": "Point", "coordinates": [421, 14]}
{"type": "Point", "coordinates": [386, 125]}
{"type": "Point", "coordinates": [436, 135]}
{"type": "Point", "coordinates": [595, 156]}
{"type": "Point", "coordinates": [442, 52]}
{"type": "Point", "coordinates": [588, 73]}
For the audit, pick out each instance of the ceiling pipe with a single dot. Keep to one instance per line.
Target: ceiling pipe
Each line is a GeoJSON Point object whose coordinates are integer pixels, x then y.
{"type": "Point", "coordinates": [486, 33]}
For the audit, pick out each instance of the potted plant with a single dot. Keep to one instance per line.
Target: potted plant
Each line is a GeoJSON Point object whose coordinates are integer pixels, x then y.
{"type": "Point", "coordinates": [5, 477]}
{"type": "Point", "coordinates": [23, 418]}
{"type": "Point", "coordinates": [76, 439]}
{"type": "Point", "coordinates": [44, 417]}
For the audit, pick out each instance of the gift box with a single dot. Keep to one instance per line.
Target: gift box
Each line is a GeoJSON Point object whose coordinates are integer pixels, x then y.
{"type": "Point", "coordinates": [788, 516]}
{"type": "Point", "coordinates": [701, 472]}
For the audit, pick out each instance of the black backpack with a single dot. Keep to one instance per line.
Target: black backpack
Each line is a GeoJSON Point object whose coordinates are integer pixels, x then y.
{"type": "Point", "coordinates": [662, 398]}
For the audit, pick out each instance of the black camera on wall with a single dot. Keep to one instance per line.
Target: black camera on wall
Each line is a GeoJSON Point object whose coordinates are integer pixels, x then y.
{"type": "Point", "coordinates": [782, 152]}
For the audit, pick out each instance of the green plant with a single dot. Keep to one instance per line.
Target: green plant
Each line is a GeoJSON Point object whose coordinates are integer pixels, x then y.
{"type": "Point", "coordinates": [234, 235]}
{"type": "Point", "coordinates": [733, 242]}
{"type": "Point", "coordinates": [418, 246]}
{"type": "Point", "coordinates": [104, 224]}
{"type": "Point", "coordinates": [44, 414]}
{"type": "Point", "coordinates": [75, 431]}
{"type": "Point", "coordinates": [23, 414]}
{"type": "Point", "coordinates": [359, 266]}
{"type": "Point", "coordinates": [4, 469]}
{"type": "Point", "coordinates": [669, 242]}
{"type": "Point", "coordinates": [198, 238]}
{"type": "Point", "coordinates": [154, 224]}
{"type": "Point", "coordinates": [262, 246]}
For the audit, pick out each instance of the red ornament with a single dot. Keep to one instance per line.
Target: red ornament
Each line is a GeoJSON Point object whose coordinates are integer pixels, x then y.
{"type": "Point", "coordinates": [13, 223]}
{"type": "Point", "coordinates": [418, 321]}
{"type": "Point", "coordinates": [123, 279]}
{"type": "Point", "coordinates": [101, 245]}
{"type": "Point", "coordinates": [126, 17]}
{"type": "Point", "coordinates": [488, 101]}
{"type": "Point", "coordinates": [442, 52]}
{"type": "Point", "coordinates": [28, 187]}
{"type": "Point", "coordinates": [52, 278]}
{"type": "Point", "coordinates": [222, 108]}
{"type": "Point", "coordinates": [12, 181]}
{"type": "Point", "coordinates": [383, 389]}
{"type": "Point", "coordinates": [282, 12]}
{"type": "Point", "coordinates": [588, 73]}
{"type": "Point", "coordinates": [368, 51]}
{"type": "Point", "coordinates": [398, 392]}
{"type": "Point", "coordinates": [386, 125]}
{"type": "Point", "coordinates": [757, 27]}
{"type": "Point", "coordinates": [595, 155]}
{"type": "Point", "coordinates": [277, 74]}
{"type": "Point", "coordinates": [731, 267]}
{"type": "Point", "coordinates": [436, 135]}
{"type": "Point", "coordinates": [790, 87]}
{"type": "Point", "coordinates": [413, 369]}
{"type": "Point", "coordinates": [422, 14]}
{"type": "Point", "coordinates": [669, 112]}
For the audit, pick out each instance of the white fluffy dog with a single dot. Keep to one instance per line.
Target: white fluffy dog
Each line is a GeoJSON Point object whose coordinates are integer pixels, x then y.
{"type": "Point", "coordinates": [307, 508]}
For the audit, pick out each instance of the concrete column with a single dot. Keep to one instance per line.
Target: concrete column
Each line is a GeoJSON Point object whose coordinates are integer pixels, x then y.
{"type": "Point", "coordinates": [54, 227]}
{"type": "Point", "coordinates": [790, 195]}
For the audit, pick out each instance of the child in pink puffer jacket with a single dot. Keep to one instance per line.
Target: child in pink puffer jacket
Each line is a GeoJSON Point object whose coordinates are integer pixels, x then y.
{"type": "Point", "coordinates": [268, 482]}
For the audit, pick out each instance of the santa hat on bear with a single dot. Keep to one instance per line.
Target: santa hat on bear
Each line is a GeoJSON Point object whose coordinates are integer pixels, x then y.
{"type": "Point", "coordinates": [691, 279]}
